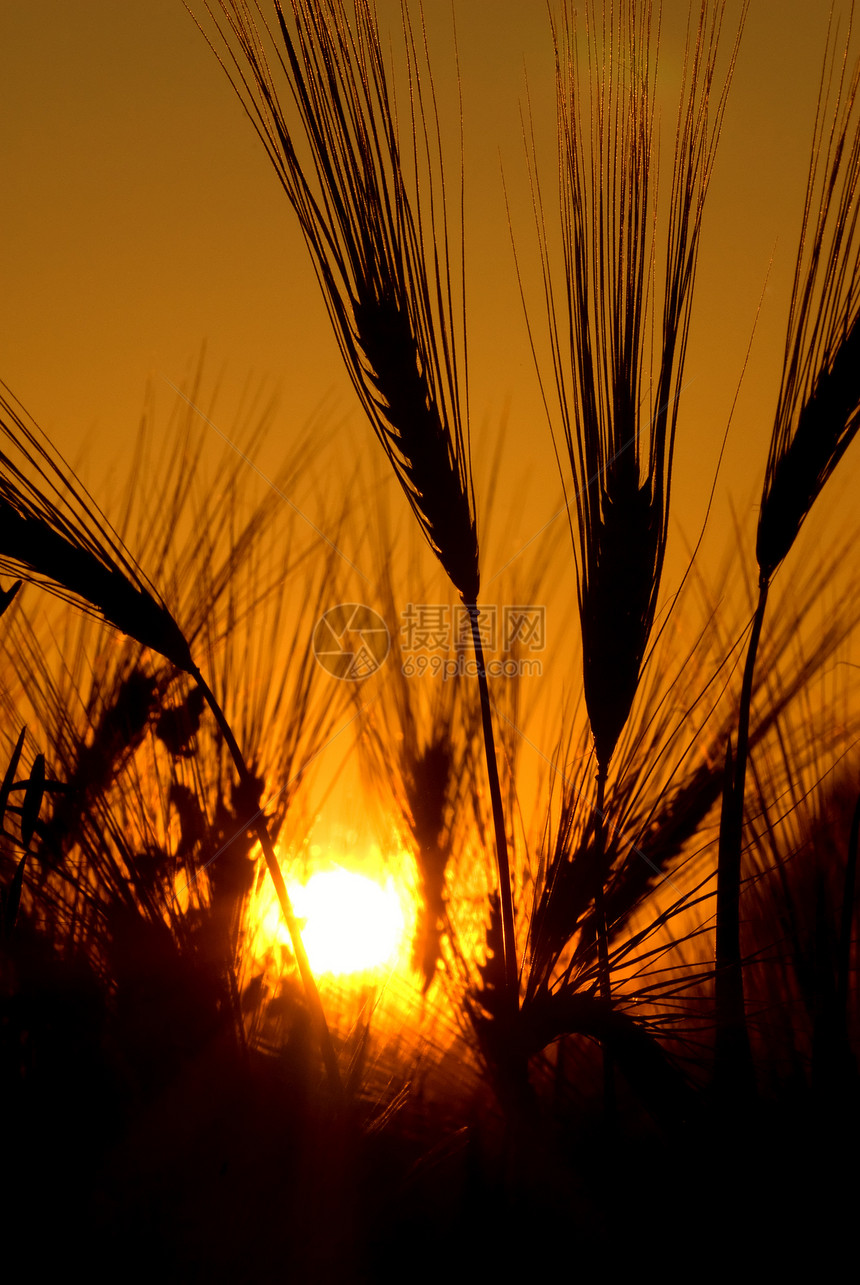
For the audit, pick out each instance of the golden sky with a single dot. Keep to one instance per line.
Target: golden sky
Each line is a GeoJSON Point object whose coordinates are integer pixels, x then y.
{"type": "Point", "coordinates": [141, 219]}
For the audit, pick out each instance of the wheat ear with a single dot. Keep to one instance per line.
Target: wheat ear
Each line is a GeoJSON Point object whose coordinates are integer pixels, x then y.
{"type": "Point", "coordinates": [383, 258]}
{"type": "Point", "coordinates": [618, 399]}
{"type": "Point", "coordinates": [817, 417]}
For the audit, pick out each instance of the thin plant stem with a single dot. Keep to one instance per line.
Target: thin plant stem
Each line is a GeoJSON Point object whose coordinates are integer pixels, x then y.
{"type": "Point", "coordinates": [259, 824]}
{"type": "Point", "coordinates": [506, 900]}
{"type": "Point", "coordinates": [603, 971]}
{"type": "Point", "coordinates": [733, 1067]}
{"type": "Point", "coordinates": [844, 961]}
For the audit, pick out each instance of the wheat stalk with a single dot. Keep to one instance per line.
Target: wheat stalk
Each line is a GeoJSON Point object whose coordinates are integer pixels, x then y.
{"type": "Point", "coordinates": [617, 398]}
{"type": "Point", "coordinates": [817, 417]}
{"type": "Point", "coordinates": [383, 257]}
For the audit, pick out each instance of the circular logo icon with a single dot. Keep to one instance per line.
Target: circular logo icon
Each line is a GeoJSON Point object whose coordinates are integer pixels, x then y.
{"type": "Point", "coordinates": [351, 641]}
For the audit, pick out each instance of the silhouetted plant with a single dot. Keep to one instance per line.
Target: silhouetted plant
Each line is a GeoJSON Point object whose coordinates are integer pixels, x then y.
{"type": "Point", "coordinates": [817, 417]}
{"type": "Point", "coordinates": [381, 247]}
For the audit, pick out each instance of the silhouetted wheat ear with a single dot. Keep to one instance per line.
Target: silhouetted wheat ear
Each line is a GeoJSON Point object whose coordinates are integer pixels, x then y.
{"type": "Point", "coordinates": [617, 391]}
{"type": "Point", "coordinates": [618, 603]}
{"type": "Point", "coordinates": [419, 445]}
{"type": "Point", "coordinates": [427, 786]}
{"type": "Point", "coordinates": [618, 327]}
{"type": "Point", "coordinates": [817, 416]}
{"type": "Point", "coordinates": [818, 412]}
{"type": "Point", "coordinates": [51, 533]}
{"type": "Point", "coordinates": [376, 223]}
{"type": "Point", "coordinates": [381, 249]}
{"type": "Point", "coordinates": [825, 427]}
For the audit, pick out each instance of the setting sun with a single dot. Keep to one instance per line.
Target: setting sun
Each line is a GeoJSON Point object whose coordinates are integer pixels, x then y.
{"type": "Point", "coordinates": [350, 923]}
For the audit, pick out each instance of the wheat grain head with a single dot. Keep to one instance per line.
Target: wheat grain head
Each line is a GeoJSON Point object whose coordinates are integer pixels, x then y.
{"type": "Point", "coordinates": [617, 392]}
{"type": "Point", "coordinates": [53, 533]}
{"type": "Point", "coordinates": [818, 411]}
{"type": "Point", "coordinates": [380, 247]}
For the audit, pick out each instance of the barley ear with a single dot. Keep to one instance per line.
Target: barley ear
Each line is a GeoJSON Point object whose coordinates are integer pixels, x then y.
{"type": "Point", "coordinates": [818, 409]}
{"type": "Point", "coordinates": [826, 425]}
{"type": "Point", "coordinates": [374, 216]}
{"type": "Point", "coordinates": [617, 391]}
{"type": "Point", "coordinates": [52, 533]}
{"type": "Point", "coordinates": [817, 417]}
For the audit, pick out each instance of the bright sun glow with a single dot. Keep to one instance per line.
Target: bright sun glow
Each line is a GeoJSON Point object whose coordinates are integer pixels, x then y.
{"type": "Point", "coordinates": [349, 923]}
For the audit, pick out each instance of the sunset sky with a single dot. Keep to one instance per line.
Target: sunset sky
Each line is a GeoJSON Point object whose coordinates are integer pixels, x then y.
{"type": "Point", "coordinates": [142, 220]}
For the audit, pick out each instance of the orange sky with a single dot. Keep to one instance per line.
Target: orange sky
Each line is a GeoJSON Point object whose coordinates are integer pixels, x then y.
{"type": "Point", "coordinates": [140, 219]}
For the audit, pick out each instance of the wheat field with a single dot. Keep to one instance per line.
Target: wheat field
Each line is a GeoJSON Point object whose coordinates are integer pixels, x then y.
{"type": "Point", "coordinates": [428, 538]}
